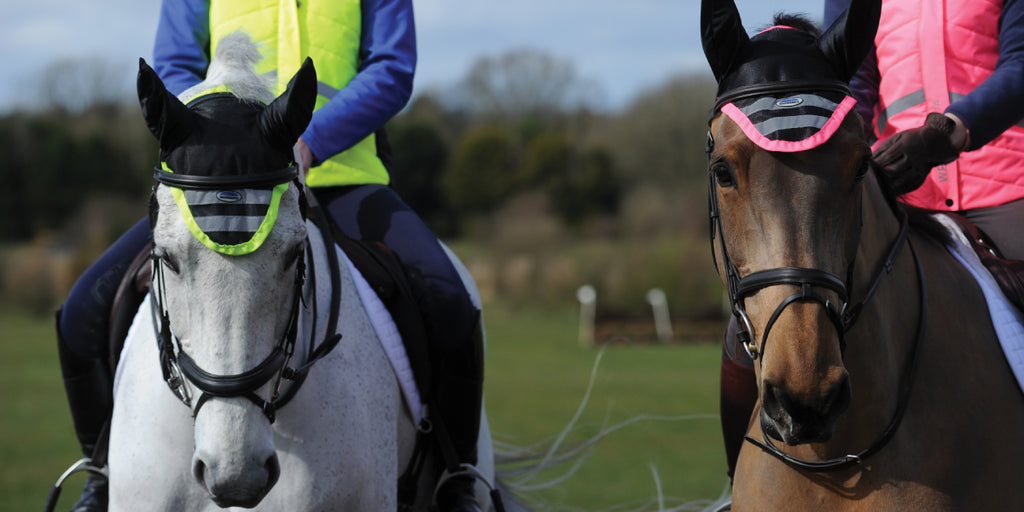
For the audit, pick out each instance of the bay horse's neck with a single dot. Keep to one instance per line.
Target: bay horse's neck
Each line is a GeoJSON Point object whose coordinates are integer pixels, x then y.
{"type": "Point", "coordinates": [881, 342]}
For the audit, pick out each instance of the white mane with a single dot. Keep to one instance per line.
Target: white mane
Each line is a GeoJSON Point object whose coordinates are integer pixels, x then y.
{"type": "Point", "coordinates": [233, 66]}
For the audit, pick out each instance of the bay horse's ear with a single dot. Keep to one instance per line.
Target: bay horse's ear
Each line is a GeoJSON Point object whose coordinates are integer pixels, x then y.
{"type": "Point", "coordinates": [167, 117]}
{"type": "Point", "coordinates": [287, 116]}
{"type": "Point", "coordinates": [722, 35]}
{"type": "Point", "coordinates": [851, 37]}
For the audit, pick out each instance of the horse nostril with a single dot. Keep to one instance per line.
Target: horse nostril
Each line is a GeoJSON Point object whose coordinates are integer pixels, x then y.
{"type": "Point", "coordinates": [776, 400]}
{"type": "Point", "coordinates": [839, 399]}
{"type": "Point", "coordinates": [273, 467]}
{"type": "Point", "coordinates": [796, 421]}
{"type": "Point", "coordinates": [199, 471]}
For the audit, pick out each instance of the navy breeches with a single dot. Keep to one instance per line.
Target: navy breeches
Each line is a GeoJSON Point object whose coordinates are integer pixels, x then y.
{"type": "Point", "coordinates": [376, 213]}
{"type": "Point", "coordinates": [85, 317]}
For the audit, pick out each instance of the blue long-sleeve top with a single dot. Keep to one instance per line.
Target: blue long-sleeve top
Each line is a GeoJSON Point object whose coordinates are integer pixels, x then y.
{"type": "Point", "coordinates": [379, 90]}
{"type": "Point", "coordinates": [993, 106]}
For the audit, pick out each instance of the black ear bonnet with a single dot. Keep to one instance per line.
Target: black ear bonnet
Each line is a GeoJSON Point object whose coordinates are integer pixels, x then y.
{"type": "Point", "coordinates": [791, 55]}
{"type": "Point", "coordinates": [227, 160]}
{"type": "Point", "coordinates": [220, 135]}
{"type": "Point", "coordinates": [786, 87]}
{"type": "Point", "coordinates": [769, 58]}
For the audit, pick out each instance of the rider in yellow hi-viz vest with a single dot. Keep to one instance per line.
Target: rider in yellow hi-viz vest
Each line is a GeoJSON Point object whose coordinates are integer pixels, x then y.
{"type": "Point", "coordinates": [327, 32]}
{"type": "Point", "coordinates": [365, 57]}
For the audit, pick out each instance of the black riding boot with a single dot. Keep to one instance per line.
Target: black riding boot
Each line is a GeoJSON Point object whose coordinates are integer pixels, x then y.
{"type": "Point", "coordinates": [458, 398]}
{"type": "Point", "coordinates": [89, 386]}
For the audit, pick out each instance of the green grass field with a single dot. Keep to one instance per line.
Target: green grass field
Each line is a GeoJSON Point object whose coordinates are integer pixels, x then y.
{"type": "Point", "coordinates": [537, 376]}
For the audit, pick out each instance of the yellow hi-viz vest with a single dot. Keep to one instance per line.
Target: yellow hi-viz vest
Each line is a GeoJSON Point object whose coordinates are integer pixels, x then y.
{"type": "Point", "coordinates": [290, 30]}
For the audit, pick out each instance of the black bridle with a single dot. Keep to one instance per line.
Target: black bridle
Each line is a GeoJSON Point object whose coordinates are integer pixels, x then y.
{"type": "Point", "coordinates": [842, 316]}
{"type": "Point", "coordinates": [180, 370]}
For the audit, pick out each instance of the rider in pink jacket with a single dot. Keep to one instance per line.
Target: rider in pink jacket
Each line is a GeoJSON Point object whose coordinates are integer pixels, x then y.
{"type": "Point", "coordinates": [943, 96]}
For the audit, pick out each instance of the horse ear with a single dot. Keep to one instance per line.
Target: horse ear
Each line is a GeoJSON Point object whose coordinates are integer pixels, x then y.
{"type": "Point", "coordinates": [167, 117]}
{"type": "Point", "coordinates": [284, 120]}
{"type": "Point", "coordinates": [851, 36]}
{"type": "Point", "coordinates": [722, 35]}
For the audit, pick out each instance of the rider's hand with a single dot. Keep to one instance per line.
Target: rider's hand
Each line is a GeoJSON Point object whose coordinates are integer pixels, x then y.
{"type": "Point", "coordinates": [907, 157]}
{"type": "Point", "coordinates": [304, 157]}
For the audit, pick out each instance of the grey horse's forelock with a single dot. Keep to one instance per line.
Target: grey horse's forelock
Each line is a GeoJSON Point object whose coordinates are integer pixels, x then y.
{"type": "Point", "coordinates": [233, 66]}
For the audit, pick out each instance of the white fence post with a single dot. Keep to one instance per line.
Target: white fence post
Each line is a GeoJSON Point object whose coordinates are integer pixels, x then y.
{"type": "Point", "coordinates": [662, 321]}
{"type": "Point", "coordinates": [587, 296]}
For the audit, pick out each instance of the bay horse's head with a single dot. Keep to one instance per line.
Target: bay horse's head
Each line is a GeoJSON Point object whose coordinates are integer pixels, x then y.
{"type": "Point", "coordinates": [786, 159]}
{"type": "Point", "coordinates": [229, 243]}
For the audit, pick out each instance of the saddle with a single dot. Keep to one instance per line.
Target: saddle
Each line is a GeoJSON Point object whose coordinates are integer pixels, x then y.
{"type": "Point", "coordinates": [1008, 273]}
{"type": "Point", "coordinates": [378, 264]}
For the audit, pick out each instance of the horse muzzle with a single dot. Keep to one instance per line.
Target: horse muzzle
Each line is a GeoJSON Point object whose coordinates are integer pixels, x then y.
{"type": "Point", "coordinates": [230, 489]}
{"type": "Point", "coordinates": [793, 419]}
{"type": "Point", "coordinates": [235, 459]}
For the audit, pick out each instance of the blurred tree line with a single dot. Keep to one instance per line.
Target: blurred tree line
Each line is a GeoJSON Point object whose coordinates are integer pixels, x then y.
{"type": "Point", "coordinates": [519, 145]}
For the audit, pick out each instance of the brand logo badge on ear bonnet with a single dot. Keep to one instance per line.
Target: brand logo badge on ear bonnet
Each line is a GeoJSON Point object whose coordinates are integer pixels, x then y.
{"type": "Point", "coordinates": [789, 102]}
{"type": "Point", "coordinates": [229, 196]}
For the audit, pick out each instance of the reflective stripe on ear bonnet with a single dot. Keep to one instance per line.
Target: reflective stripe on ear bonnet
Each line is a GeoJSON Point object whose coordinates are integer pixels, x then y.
{"type": "Point", "coordinates": [790, 122]}
{"type": "Point", "coordinates": [232, 222]}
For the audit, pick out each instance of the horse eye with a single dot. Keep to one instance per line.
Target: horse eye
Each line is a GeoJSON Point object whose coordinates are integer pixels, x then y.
{"type": "Point", "coordinates": [166, 259]}
{"type": "Point", "coordinates": [169, 262]}
{"type": "Point", "coordinates": [723, 175]}
{"type": "Point", "coordinates": [862, 171]}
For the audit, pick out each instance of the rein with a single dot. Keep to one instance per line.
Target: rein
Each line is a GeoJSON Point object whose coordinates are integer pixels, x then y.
{"type": "Point", "coordinates": [843, 317]}
{"type": "Point", "coordinates": [179, 369]}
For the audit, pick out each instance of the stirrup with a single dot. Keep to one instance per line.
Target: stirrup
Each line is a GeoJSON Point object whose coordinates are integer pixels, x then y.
{"type": "Point", "coordinates": [468, 470]}
{"type": "Point", "coordinates": [83, 464]}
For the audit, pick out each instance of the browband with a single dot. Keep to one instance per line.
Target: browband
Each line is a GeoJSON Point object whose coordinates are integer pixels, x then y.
{"type": "Point", "coordinates": [766, 89]}
{"type": "Point", "coordinates": [263, 180]}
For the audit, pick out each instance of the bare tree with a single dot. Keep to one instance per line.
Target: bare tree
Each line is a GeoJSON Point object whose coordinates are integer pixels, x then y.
{"type": "Point", "coordinates": [76, 84]}
{"type": "Point", "coordinates": [527, 83]}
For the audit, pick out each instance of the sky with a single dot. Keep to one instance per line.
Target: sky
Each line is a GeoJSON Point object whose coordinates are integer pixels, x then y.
{"type": "Point", "coordinates": [623, 46]}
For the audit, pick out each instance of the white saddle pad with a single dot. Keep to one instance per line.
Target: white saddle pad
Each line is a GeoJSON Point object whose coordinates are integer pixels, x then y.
{"type": "Point", "coordinates": [1007, 319]}
{"type": "Point", "coordinates": [391, 340]}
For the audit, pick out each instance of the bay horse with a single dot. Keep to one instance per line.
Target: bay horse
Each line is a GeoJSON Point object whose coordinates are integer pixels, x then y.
{"type": "Point", "coordinates": [881, 382]}
{"type": "Point", "coordinates": [255, 374]}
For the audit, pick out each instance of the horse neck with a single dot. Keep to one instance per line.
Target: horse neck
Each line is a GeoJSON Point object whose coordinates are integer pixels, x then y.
{"type": "Point", "coordinates": [881, 342]}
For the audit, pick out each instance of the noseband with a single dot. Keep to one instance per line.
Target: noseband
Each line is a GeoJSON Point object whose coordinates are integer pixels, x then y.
{"type": "Point", "coordinates": [843, 316]}
{"type": "Point", "coordinates": [179, 369]}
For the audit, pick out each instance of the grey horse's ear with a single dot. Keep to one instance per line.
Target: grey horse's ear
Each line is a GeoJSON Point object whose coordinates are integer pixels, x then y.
{"type": "Point", "coordinates": [167, 118]}
{"type": "Point", "coordinates": [722, 35]}
{"type": "Point", "coordinates": [284, 120]}
{"type": "Point", "coordinates": [851, 37]}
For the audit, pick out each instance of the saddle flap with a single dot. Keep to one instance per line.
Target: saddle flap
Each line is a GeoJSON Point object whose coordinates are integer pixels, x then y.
{"type": "Point", "coordinates": [1009, 274]}
{"type": "Point", "coordinates": [386, 275]}
{"type": "Point", "coordinates": [130, 292]}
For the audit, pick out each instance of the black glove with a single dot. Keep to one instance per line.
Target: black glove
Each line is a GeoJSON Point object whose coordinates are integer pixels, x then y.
{"type": "Point", "coordinates": [907, 157]}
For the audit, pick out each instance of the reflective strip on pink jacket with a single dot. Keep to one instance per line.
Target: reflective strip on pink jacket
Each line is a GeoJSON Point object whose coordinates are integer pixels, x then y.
{"type": "Point", "coordinates": [924, 69]}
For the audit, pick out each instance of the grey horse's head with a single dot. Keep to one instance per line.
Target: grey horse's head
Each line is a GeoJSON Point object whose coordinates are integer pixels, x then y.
{"type": "Point", "coordinates": [229, 237]}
